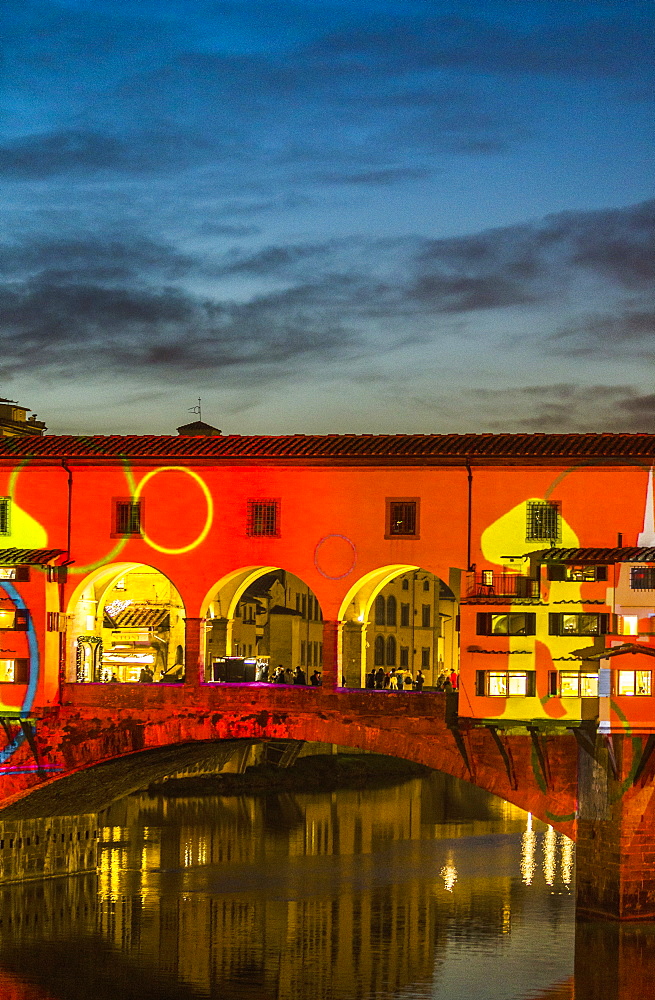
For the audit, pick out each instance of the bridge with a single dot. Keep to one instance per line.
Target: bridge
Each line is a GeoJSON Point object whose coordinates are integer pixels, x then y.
{"type": "Point", "coordinates": [597, 792]}
{"type": "Point", "coordinates": [525, 563]}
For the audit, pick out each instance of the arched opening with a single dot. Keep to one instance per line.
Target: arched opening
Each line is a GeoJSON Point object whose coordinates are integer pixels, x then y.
{"type": "Point", "coordinates": [127, 626]}
{"type": "Point", "coordinates": [399, 626]}
{"type": "Point", "coordinates": [263, 625]}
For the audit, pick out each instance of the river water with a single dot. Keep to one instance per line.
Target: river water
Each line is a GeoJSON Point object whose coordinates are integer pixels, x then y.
{"type": "Point", "coordinates": [428, 890]}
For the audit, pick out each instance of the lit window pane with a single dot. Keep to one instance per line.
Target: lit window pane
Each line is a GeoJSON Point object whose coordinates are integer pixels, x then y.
{"type": "Point", "coordinates": [570, 685]}
{"type": "Point", "coordinates": [630, 625]}
{"type": "Point", "coordinates": [589, 685]}
{"type": "Point", "coordinates": [499, 624]}
{"type": "Point", "coordinates": [518, 684]}
{"type": "Point", "coordinates": [498, 685]}
{"type": "Point", "coordinates": [7, 618]}
{"type": "Point", "coordinates": [7, 671]}
{"type": "Point", "coordinates": [626, 682]}
{"type": "Point", "coordinates": [643, 682]}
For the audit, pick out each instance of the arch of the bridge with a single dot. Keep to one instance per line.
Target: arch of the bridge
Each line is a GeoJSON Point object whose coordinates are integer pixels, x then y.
{"type": "Point", "coordinates": [75, 746]}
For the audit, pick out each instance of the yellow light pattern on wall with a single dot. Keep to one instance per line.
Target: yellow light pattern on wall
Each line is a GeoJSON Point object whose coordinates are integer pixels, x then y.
{"type": "Point", "coordinates": [208, 500]}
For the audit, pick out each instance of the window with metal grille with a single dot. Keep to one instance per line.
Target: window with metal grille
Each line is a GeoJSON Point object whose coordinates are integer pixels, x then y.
{"type": "Point", "coordinates": [642, 578]}
{"type": "Point", "coordinates": [404, 656]}
{"type": "Point", "coordinates": [425, 616]}
{"type": "Point", "coordinates": [402, 517]}
{"type": "Point", "coordinates": [128, 517]}
{"type": "Point", "coordinates": [543, 521]}
{"type": "Point", "coordinates": [5, 503]}
{"type": "Point", "coordinates": [425, 658]}
{"type": "Point", "coordinates": [404, 615]}
{"type": "Point", "coordinates": [264, 518]}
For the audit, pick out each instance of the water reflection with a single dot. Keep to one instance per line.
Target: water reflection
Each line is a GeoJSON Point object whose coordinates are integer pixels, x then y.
{"type": "Point", "coordinates": [430, 889]}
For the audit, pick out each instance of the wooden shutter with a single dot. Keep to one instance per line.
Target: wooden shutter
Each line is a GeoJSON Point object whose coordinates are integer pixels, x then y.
{"type": "Point", "coordinates": [530, 623]}
{"type": "Point", "coordinates": [601, 572]}
{"type": "Point", "coordinates": [479, 682]}
{"type": "Point", "coordinates": [552, 683]}
{"type": "Point", "coordinates": [21, 672]}
{"type": "Point", "coordinates": [21, 620]}
{"type": "Point", "coordinates": [554, 621]}
{"type": "Point", "coordinates": [556, 571]}
{"type": "Point", "coordinates": [483, 621]}
{"type": "Point", "coordinates": [531, 684]}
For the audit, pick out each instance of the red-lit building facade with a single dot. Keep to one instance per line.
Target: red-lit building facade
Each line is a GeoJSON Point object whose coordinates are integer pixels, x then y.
{"type": "Point", "coordinates": [131, 558]}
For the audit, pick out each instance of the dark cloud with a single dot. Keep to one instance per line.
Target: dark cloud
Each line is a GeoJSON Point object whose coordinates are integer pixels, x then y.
{"type": "Point", "coordinates": [571, 407]}
{"type": "Point", "coordinates": [382, 177]}
{"type": "Point", "coordinates": [627, 330]}
{"type": "Point", "coordinates": [526, 264]}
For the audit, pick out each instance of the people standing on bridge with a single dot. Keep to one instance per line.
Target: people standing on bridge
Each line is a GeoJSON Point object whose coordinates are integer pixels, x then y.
{"type": "Point", "coordinates": [447, 686]}
{"type": "Point", "coordinates": [441, 680]}
{"type": "Point", "coordinates": [371, 678]}
{"type": "Point", "coordinates": [454, 679]}
{"type": "Point", "coordinates": [408, 683]}
{"type": "Point", "coordinates": [279, 675]}
{"type": "Point", "coordinates": [393, 681]}
{"type": "Point", "coordinates": [420, 681]}
{"type": "Point", "coordinates": [379, 678]}
{"type": "Point", "coordinates": [299, 676]}
{"type": "Point", "coordinates": [315, 679]}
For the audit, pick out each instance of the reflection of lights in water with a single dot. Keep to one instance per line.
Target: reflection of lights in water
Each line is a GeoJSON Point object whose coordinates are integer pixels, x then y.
{"type": "Point", "coordinates": [449, 874]}
{"type": "Point", "coordinates": [188, 854]}
{"type": "Point", "coordinates": [550, 849]}
{"type": "Point", "coordinates": [566, 847]}
{"type": "Point", "coordinates": [506, 918]}
{"type": "Point", "coordinates": [528, 841]}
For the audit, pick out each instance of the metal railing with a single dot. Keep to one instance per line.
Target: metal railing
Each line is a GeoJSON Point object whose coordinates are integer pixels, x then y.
{"type": "Point", "coordinates": [500, 585]}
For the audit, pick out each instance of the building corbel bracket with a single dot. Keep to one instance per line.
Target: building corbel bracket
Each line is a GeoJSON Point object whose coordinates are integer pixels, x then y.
{"type": "Point", "coordinates": [506, 754]}
{"type": "Point", "coordinates": [585, 739]}
{"type": "Point", "coordinates": [540, 752]}
{"type": "Point", "coordinates": [612, 756]}
{"type": "Point", "coordinates": [461, 746]}
{"type": "Point", "coordinates": [646, 755]}
{"type": "Point", "coordinates": [8, 732]}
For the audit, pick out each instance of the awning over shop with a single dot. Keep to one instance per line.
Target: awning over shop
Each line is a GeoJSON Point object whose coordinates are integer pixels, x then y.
{"type": "Point", "coordinates": [595, 556]}
{"type": "Point", "coordinates": [142, 616]}
{"type": "Point", "coordinates": [29, 557]}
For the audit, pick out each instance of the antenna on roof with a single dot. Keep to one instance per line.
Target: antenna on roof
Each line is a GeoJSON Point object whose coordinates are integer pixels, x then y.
{"type": "Point", "coordinates": [196, 409]}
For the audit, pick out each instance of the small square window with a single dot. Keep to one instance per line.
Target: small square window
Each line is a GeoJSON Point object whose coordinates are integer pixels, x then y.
{"type": "Point", "coordinates": [263, 518]}
{"type": "Point", "coordinates": [543, 521]}
{"type": "Point", "coordinates": [402, 517]}
{"type": "Point", "coordinates": [128, 517]}
{"type": "Point", "coordinates": [642, 578]}
{"type": "Point", "coordinates": [5, 504]}
{"type": "Point", "coordinates": [405, 584]}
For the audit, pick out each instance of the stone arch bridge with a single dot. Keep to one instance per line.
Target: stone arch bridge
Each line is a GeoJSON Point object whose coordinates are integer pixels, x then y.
{"type": "Point", "coordinates": [596, 791]}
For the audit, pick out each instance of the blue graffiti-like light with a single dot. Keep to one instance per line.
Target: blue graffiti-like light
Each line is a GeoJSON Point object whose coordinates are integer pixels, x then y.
{"type": "Point", "coordinates": [33, 681]}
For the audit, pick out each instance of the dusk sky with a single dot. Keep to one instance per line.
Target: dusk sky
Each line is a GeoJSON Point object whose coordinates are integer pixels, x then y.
{"type": "Point", "coordinates": [329, 215]}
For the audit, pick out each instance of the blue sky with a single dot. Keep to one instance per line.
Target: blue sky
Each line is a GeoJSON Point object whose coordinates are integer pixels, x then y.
{"type": "Point", "coordinates": [425, 216]}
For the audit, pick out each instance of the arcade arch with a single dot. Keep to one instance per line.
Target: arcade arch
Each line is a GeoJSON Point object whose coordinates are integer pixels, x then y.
{"type": "Point", "coordinates": [258, 619]}
{"type": "Point", "coordinates": [398, 618]}
{"type": "Point", "coordinates": [126, 625]}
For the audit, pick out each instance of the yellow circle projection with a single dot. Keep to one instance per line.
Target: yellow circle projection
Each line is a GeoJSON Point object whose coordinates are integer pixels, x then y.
{"type": "Point", "coordinates": [208, 499]}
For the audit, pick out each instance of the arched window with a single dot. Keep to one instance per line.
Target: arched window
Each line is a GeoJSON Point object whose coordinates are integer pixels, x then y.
{"type": "Point", "coordinates": [378, 658]}
{"type": "Point", "coordinates": [391, 651]}
{"type": "Point", "coordinates": [391, 610]}
{"type": "Point", "coordinates": [380, 618]}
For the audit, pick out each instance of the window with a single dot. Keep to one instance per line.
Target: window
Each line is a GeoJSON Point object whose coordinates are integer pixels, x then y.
{"type": "Point", "coordinates": [576, 685]}
{"type": "Point", "coordinates": [642, 578]}
{"type": "Point", "coordinates": [633, 682]}
{"type": "Point", "coordinates": [391, 610]}
{"type": "Point", "coordinates": [404, 656]}
{"type": "Point", "coordinates": [404, 615]}
{"type": "Point", "coordinates": [576, 574]}
{"type": "Point", "coordinates": [14, 671]}
{"type": "Point", "coordinates": [380, 610]}
{"type": "Point", "coordinates": [425, 616]}
{"type": "Point", "coordinates": [303, 648]}
{"type": "Point", "coordinates": [263, 518]}
{"type": "Point", "coordinates": [128, 517]}
{"type": "Point", "coordinates": [16, 620]}
{"type": "Point", "coordinates": [426, 585]}
{"type": "Point", "coordinates": [405, 584]}
{"type": "Point", "coordinates": [506, 683]}
{"type": "Point", "coordinates": [578, 624]}
{"type": "Point", "coordinates": [391, 651]}
{"type": "Point", "coordinates": [543, 521]}
{"type": "Point", "coordinates": [513, 623]}
{"type": "Point", "coordinates": [15, 573]}
{"type": "Point", "coordinates": [378, 651]}
{"type": "Point", "coordinates": [5, 503]}
{"type": "Point", "coordinates": [425, 658]}
{"type": "Point", "coordinates": [402, 517]}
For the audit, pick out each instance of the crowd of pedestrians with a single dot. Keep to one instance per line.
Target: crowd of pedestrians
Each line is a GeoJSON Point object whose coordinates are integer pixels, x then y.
{"type": "Point", "coordinates": [403, 680]}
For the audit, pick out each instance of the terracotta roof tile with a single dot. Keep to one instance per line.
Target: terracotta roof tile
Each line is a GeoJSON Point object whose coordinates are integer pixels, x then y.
{"type": "Point", "coordinates": [28, 557]}
{"type": "Point", "coordinates": [414, 448]}
{"type": "Point", "coordinates": [636, 554]}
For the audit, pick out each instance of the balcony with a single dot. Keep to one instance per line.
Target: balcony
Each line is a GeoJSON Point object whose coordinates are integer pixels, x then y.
{"type": "Point", "coordinates": [485, 585]}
